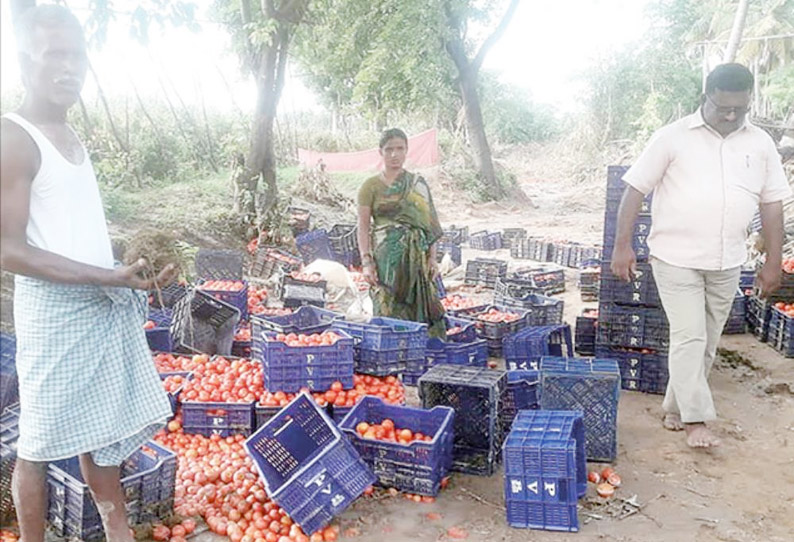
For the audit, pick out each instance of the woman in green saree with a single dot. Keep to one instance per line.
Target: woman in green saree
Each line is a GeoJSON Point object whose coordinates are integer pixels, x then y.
{"type": "Point", "coordinates": [397, 232]}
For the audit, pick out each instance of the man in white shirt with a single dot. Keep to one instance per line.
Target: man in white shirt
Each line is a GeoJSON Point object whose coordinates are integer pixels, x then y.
{"type": "Point", "coordinates": [709, 173]}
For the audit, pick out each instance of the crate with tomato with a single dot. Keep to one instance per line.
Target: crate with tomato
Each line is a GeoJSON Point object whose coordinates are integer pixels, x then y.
{"type": "Point", "coordinates": [781, 328]}
{"type": "Point", "coordinates": [494, 322]}
{"type": "Point", "coordinates": [233, 292]}
{"type": "Point", "coordinates": [299, 288]}
{"type": "Point", "coordinates": [271, 259]}
{"type": "Point", "coordinates": [455, 303]}
{"type": "Point", "coordinates": [291, 361]}
{"type": "Point", "coordinates": [544, 494]}
{"type": "Point", "coordinates": [477, 395]}
{"type": "Point", "coordinates": [158, 330]}
{"type": "Point", "coordinates": [385, 345]}
{"type": "Point", "coordinates": [147, 481]}
{"type": "Point", "coordinates": [336, 400]}
{"type": "Point", "coordinates": [407, 448]}
{"type": "Point", "coordinates": [303, 320]}
{"type": "Point", "coordinates": [641, 369]}
{"type": "Point", "coordinates": [542, 310]}
{"type": "Point", "coordinates": [759, 313]}
{"type": "Point", "coordinates": [174, 383]}
{"type": "Point", "coordinates": [307, 465]}
{"type": "Point", "coordinates": [219, 399]}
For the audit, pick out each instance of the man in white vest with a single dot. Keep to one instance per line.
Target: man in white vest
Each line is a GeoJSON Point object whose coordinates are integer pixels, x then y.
{"type": "Point", "coordinates": [87, 383]}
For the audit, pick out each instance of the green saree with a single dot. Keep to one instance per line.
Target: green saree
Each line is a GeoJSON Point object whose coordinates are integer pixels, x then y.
{"type": "Point", "coordinates": [405, 225]}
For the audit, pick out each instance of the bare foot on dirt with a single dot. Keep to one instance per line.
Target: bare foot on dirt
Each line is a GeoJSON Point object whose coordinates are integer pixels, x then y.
{"type": "Point", "coordinates": [672, 421]}
{"type": "Point", "coordinates": [699, 436]}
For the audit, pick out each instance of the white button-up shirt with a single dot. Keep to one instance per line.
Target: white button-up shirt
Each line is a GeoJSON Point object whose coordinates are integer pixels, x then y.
{"type": "Point", "coordinates": [706, 189]}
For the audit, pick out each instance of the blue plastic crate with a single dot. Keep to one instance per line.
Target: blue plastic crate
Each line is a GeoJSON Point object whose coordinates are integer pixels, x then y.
{"type": "Point", "coordinates": [383, 345]}
{"type": "Point", "coordinates": [303, 320]}
{"type": "Point", "coordinates": [523, 393]}
{"type": "Point", "coordinates": [585, 335]}
{"type": "Point", "coordinates": [476, 395]}
{"type": "Point", "coordinates": [417, 467]}
{"type": "Point", "coordinates": [344, 244]}
{"type": "Point", "coordinates": [290, 368]}
{"type": "Point", "coordinates": [147, 479]}
{"type": "Point", "coordinates": [737, 319]}
{"type": "Point", "coordinates": [495, 330]}
{"type": "Point", "coordinates": [201, 323]}
{"type": "Point", "coordinates": [485, 240]}
{"type": "Point", "coordinates": [237, 299]}
{"type": "Point", "coordinates": [781, 332]}
{"type": "Point", "coordinates": [592, 386]}
{"type": "Point", "coordinates": [9, 384]}
{"type": "Point", "coordinates": [159, 337]}
{"type": "Point", "coordinates": [543, 279]}
{"type": "Point", "coordinates": [542, 310]}
{"type": "Point", "coordinates": [470, 354]}
{"type": "Point", "coordinates": [632, 326]}
{"type": "Point", "coordinates": [219, 264]}
{"type": "Point", "coordinates": [640, 290]}
{"type": "Point", "coordinates": [314, 245]}
{"type": "Point", "coordinates": [307, 466]}
{"type": "Point", "coordinates": [484, 271]}
{"type": "Point", "coordinates": [467, 332]}
{"type": "Point", "coordinates": [173, 398]}
{"type": "Point", "coordinates": [545, 470]}
{"type": "Point", "coordinates": [213, 418]}
{"type": "Point", "coordinates": [524, 349]}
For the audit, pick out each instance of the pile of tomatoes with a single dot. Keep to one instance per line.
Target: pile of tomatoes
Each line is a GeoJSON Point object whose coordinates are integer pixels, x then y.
{"type": "Point", "coordinates": [455, 302]}
{"type": "Point", "coordinates": [217, 480]}
{"type": "Point", "coordinates": [388, 388]}
{"type": "Point", "coordinates": [169, 363]}
{"type": "Point", "coordinates": [8, 536]}
{"type": "Point", "coordinates": [278, 256]}
{"type": "Point", "coordinates": [261, 310]}
{"type": "Point", "coordinates": [386, 431]}
{"type": "Point", "coordinates": [497, 316]}
{"type": "Point", "coordinates": [173, 383]}
{"type": "Point", "coordinates": [222, 285]}
{"type": "Point", "coordinates": [326, 338]}
{"type": "Point", "coordinates": [243, 333]}
{"type": "Point", "coordinates": [256, 297]}
{"type": "Point", "coordinates": [306, 277]}
{"type": "Point", "coordinates": [607, 481]}
{"type": "Point", "coordinates": [222, 380]}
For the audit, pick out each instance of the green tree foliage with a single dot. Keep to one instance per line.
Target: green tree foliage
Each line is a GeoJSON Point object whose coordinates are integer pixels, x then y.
{"type": "Point", "coordinates": [511, 116]}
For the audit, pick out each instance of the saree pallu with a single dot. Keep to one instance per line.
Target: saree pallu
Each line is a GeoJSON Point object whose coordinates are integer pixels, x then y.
{"type": "Point", "coordinates": [87, 383]}
{"type": "Point", "coordinates": [406, 225]}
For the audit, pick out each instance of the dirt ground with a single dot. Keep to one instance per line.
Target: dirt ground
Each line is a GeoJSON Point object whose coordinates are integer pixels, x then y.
{"type": "Point", "coordinates": [742, 491]}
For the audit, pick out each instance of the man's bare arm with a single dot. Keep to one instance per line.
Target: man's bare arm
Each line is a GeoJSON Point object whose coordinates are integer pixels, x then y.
{"type": "Point", "coordinates": [19, 162]}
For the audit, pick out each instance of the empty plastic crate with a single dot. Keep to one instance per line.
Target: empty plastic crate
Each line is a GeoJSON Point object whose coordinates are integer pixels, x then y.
{"type": "Point", "coordinates": [591, 386]}
{"type": "Point", "coordinates": [523, 350]}
{"type": "Point", "coordinates": [383, 345]}
{"type": "Point", "coordinates": [545, 470]}
{"type": "Point", "coordinates": [148, 478]}
{"type": "Point", "coordinates": [268, 260]}
{"type": "Point", "coordinates": [476, 395]}
{"type": "Point", "coordinates": [219, 264]}
{"type": "Point", "coordinates": [290, 368]}
{"type": "Point", "coordinates": [298, 219]}
{"type": "Point", "coordinates": [484, 272]}
{"type": "Point", "coordinates": [344, 244]}
{"type": "Point", "coordinates": [203, 324]}
{"type": "Point", "coordinates": [314, 245]}
{"type": "Point", "coordinates": [632, 326]}
{"type": "Point", "coordinates": [417, 467]}
{"type": "Point", "coordinates": [452, 249]}
{"type": "Point", "coordinates": [307, 465]}
{"type": "Point", "coordinates": [640, 369]}
{"type": "Point", "coordinates": [484, 240]}
{"type": "Point", "coordinates": [168, 296]}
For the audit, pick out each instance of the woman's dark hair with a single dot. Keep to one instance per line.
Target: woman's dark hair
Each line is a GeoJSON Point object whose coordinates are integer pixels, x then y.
{"type": "Point", "coordinates": [729, 78]}
{"type": "Point", "coordinates": [391, 133]}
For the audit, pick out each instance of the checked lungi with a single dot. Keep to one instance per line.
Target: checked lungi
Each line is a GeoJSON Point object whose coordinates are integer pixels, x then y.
{"type": "Point", "coordinates": [87, 382]}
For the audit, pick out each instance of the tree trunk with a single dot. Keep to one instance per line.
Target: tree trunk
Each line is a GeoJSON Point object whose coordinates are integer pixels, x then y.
{"type": "Point", "coordinates": [736, 32]}
{"type": "Point", "coordinates": [483, 159]}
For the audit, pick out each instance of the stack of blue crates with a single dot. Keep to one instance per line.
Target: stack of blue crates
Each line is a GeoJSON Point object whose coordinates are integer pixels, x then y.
{"type": "Point", "coordinates": [545, 470]}
{"type": "Point", "coordinates": [523, 350]}
{"type": "Point", "coordinates": [737, 319]}
{"type": "Point", "coordinates": [631, 321]}
{"type": "Point", "coordinates": [476, 394]}
{"type": "Point", "coordinates": [591, 386]}
{"type": "Point", "coordinates": [386, 346]}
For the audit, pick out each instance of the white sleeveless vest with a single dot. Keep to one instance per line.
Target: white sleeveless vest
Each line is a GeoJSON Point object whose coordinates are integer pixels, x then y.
{"type": "Point", "coordinates": [66, 213]}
